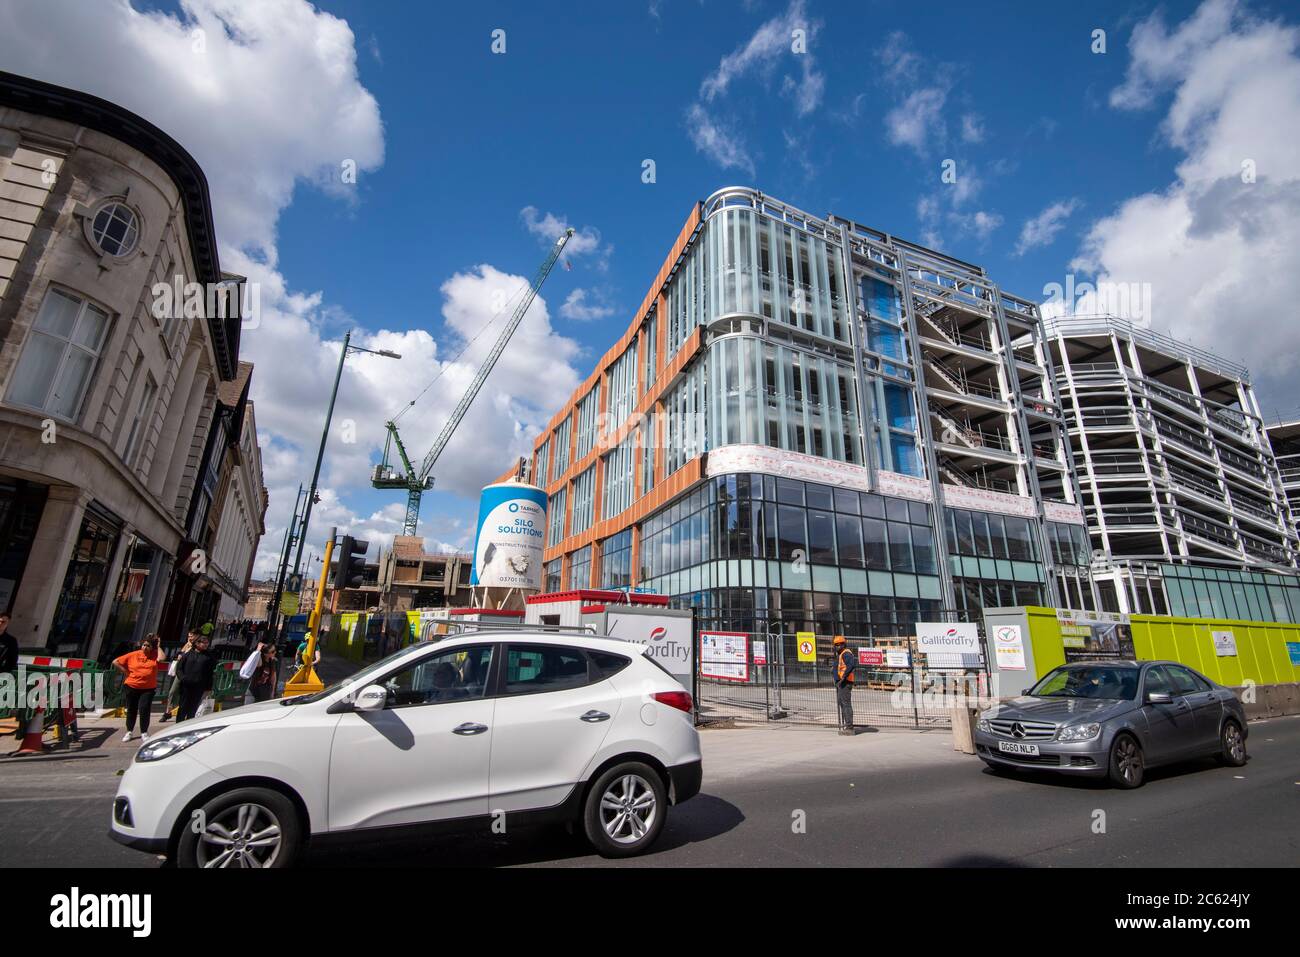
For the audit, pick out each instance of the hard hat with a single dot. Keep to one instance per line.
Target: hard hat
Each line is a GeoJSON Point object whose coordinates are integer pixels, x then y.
{"type": "Point", "coordinates": [837, 640]}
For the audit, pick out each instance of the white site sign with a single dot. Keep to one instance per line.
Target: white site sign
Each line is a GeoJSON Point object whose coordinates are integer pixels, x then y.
{"type": "Point", "coordinates": [1009, 648]}
{"type": "Point", "coordinates": [942, 636]}
{"type": "Point", "coordinates": [667, 637]}
{"type": "Point", "coordinates": [1225, 644]}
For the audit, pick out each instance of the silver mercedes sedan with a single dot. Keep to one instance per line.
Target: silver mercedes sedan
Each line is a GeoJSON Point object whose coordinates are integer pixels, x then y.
{"type": "Point", "coordinates": [1114, 719]}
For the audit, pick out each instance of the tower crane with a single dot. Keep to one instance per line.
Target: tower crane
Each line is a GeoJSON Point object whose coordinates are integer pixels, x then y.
{"type": "Point", "coordinates": [417, 482]}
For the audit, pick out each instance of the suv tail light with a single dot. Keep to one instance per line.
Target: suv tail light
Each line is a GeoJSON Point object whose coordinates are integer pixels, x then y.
{"type": "Point", "coordinates": [681, 700]}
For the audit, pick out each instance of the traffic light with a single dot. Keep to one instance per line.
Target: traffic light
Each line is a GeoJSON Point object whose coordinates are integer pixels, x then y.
{"type": "Point", "coordinates": [350, 569]}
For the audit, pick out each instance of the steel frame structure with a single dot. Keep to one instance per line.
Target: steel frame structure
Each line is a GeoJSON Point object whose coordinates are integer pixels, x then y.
{"type": "Point", "coordinates": [1171, 454]}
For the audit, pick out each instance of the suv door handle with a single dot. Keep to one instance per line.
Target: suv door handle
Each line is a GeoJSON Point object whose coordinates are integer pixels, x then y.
{"type": "Point", "coordinates": [591, 717]}
{"type": "Point", "coordinates": [469, 727]}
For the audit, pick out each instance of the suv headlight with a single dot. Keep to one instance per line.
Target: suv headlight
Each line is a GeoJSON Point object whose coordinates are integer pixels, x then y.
{"type": "Point", "coordinates": [160, 748]}
{"type": "Point", "coordinates": [983, 724]}
{"type": "Point", "coordinates": [1079, 732]}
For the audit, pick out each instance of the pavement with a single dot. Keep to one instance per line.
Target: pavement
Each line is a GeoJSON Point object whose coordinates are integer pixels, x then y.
{"type": "Point", "coordinates": [779, 795]}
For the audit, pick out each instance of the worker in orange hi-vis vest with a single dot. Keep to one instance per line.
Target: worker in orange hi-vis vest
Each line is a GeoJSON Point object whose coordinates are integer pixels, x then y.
{"type": "Point", "coordinates": [845, 665]}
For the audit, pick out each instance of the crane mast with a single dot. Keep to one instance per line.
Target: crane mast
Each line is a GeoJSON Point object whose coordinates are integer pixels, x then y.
{"type": "Point", "coordinates": [416, 483]}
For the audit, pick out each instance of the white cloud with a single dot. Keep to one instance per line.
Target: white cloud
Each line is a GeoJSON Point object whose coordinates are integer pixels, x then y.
{"type": "Point", "coordinates": [1041, 230]}
{"type": "Point", "coordinates": [773, 40]}
{"type": "Point", "coordinates": [900, 64]}
{"type": "Point", "coordinates": [1221, 254]}
{"type": "Point", "coordinates": [758, 57]}
{"type": "Point", "coordinates": [722, 145]}
{"type": "Point", "coordinates": [972, 128]}
{"type": "Point", "coordinates": [274, 101]}
{"type": "Point", "coordinates": [584, 305]}
{"type": "Point", "coordinates": [584, 242]}
{"type": "Point", "coordinates": [918, 120]}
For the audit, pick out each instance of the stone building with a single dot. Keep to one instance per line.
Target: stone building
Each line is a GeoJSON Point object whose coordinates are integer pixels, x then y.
{"type": "Point", "coordinates": [107, 401]}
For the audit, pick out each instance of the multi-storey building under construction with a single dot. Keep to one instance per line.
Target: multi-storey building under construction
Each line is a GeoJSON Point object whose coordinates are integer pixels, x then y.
{"type": "Point", "coordinates": [1179, 482]}
{"type": "Point", "coordinates": [813, 420]}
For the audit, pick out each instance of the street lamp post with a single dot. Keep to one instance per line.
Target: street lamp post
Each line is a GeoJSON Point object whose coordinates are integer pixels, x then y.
{"type": "Point", "coordinates": [273, 613]}
{"type": "Point", "coordinates": [325, 434]}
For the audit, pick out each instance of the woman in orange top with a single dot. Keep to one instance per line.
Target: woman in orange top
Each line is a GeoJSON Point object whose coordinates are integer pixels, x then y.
{"type": "Point", "coordinates": [141, 670]}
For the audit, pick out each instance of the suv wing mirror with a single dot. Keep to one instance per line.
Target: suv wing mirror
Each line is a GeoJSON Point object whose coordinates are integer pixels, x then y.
{"type": "Point", "coordinates": [1159, 697]}
{"type": "Point", "coordinates": [370, 698]}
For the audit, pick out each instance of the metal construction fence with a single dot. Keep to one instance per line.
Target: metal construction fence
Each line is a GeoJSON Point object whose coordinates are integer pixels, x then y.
{"type": "Point", "coordinates": [753, 667]}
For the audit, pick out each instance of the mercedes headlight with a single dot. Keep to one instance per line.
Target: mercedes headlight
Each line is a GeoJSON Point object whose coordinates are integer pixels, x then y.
{"type": "Point", "coordinates": [1079, 732]}
{"type": "Point", "coordinates": [160, 748]}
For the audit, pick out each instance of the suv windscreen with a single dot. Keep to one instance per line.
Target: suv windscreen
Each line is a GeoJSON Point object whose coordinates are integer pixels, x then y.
{"type": "Point", "coordinates": [359, 677]}
{"type": "Point", "coordinates": [1088, 681]}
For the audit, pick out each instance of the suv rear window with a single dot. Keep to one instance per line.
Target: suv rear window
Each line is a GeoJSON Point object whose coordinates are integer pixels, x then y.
{"type": "Point", "coordinates": [608, 664]}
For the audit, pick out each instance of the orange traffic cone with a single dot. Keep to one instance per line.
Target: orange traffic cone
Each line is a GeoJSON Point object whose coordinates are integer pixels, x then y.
{"type": "Point", "coordinates": [34, 736]}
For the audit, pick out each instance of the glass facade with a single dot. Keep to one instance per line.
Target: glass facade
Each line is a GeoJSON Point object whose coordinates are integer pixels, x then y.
{"type": "Point", "coordinates": [580, 568]}
{"type": "Point", "coordinates": [765, 393]}
{"type": "Point", "coordinates": [994, 560]}
{"type": "Point", "coordinates": [1233, 593]}
{"type": "Point", "coordinates": [553, 571]}
{"type": "Point", "coordinates": [622, 387]}
{"type": "Point", "coordinates": [616, 561]}
{"type": "Point", "coordinates": [588, 414]}
{"type": "Point", "coordinates": [542, 466]}
{"type": "Point", "coordinates": [761, 266]}
{"type": "Point", "coordinates": [562, 440]}
{"type": "Point", "coordinates": [752, 544]}
{"type": "Point", "coordinates": [584, 488]}
{"type": "Point", "coordinates": [890, 377]}
{"type": "Point", "coordinates": [685, 424]}
{"type": "Point", "coordinates": [619, 475]}
{"type": "Point", "coordinates": [555, 517]}
{"type": "Point", "coordinates": [650, 335]}
{"type": "Point", "coordinates": [84, 584]}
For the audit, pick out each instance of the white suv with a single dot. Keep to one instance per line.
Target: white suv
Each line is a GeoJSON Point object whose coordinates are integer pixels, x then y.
{"type": "Point", "coordinates": [476, 729]}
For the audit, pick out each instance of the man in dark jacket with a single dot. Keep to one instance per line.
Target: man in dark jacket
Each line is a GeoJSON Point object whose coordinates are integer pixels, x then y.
{"type": "Point", "coordinates": [194, 676]}
{"type": "Point", "coordinates": [9, 666]}
{"type": "Point", "coordinates": [8, 647]}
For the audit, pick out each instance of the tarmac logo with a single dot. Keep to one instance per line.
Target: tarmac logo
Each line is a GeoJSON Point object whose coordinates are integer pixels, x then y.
{"type": "Point", "coordinates": [75, 910]}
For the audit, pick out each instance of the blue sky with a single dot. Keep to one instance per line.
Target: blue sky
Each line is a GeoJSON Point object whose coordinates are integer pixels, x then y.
{"type": "Point", "coordinates": [1123, 164]}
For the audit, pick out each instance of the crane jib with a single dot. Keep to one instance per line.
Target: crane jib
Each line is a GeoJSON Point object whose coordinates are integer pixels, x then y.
{"type": "Point", "coordinates": [416, 482]}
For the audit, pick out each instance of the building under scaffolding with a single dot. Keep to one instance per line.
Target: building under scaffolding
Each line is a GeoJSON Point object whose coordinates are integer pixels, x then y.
{"type": "Point", "coordinates": [1176, 471]}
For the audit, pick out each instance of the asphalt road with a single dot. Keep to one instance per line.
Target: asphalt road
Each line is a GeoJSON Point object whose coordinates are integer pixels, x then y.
{"type": "Point", "coordinates": [880, 799]}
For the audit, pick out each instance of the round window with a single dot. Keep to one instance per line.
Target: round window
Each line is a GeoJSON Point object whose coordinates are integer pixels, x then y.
{"type": "Point", "coordinates": [115, 229]}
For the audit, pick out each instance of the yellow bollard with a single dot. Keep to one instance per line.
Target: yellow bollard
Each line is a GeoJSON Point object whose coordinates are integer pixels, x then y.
{"type": "Point", "coordinates": [304, 680]}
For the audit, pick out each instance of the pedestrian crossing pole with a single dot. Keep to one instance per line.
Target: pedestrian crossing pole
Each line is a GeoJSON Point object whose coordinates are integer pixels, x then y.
{"type": "Point", "coordinates": [304, 680]}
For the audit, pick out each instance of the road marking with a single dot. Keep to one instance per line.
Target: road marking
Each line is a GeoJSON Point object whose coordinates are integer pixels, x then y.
{"type": "Point", "coordinates": [53, 797]}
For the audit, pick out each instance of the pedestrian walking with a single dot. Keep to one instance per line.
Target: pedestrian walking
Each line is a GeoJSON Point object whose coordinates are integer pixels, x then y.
{"type": "Point", "coordinates": [8, 647]}
{"type": "Point", "coordinates": [141, 670]}
{"type": "Point", "coordinates": [194, 675]}
{"type": "Point", "coordinates": [266, 677]}
{"type": "Point", "coordinates": [845, 666]}
{"type": "Point", "coordinates": [9, 666]}
{"type": "Point", "coordinates": [172, 701]}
